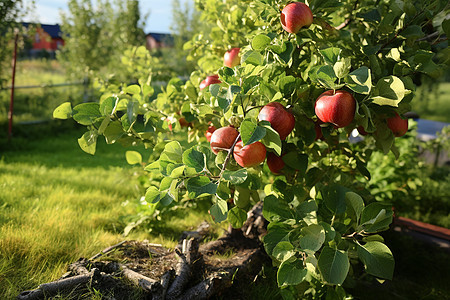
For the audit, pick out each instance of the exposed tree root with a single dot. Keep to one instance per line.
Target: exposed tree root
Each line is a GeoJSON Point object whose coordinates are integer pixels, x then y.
{"type": "Point", "coordinates": [191, 271]}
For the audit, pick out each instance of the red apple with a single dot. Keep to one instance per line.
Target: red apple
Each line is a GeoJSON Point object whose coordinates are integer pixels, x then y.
{"type": "Point", "coordinates": [280, 119]}
{"type": "Point", "coordinates": [275, 163]}
{"type": "Point", "coordinates": [170, 125]}
{"type": "Point", "coordinates": [318, 129]}
{"type": "Point", "coordinates": [398, 125]}
{"type": "Point", "coordinates": [209, 80]}
{"type": "Point", "coordinates": [295, 16]}
{"type": "Point", "coordinates": [184, 123]}
{"type": "Point", "coordinates": [223, 139]}
{"type": "Point", "coordinates": [249, 155]}
{"type": "Point", "coordinates": [336, 107]}
{"type": "Point", "coordinates": [231, 58]}
{"type": "Point", "coordinates": [361, 130]}
{"type": "Point", "coordinates": [209, 133]}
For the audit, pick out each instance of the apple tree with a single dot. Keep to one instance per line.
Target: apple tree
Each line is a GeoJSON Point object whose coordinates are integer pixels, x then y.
{"type": "Point", "coordinates": [268, 116]}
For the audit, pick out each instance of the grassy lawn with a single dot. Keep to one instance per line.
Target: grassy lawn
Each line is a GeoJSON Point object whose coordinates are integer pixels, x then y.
{"type": "Point", "coordinates": [433, 102]}
{"type": "Point", "coordinates": [38, 103]}
{"type": "Point", "coordinates": [58, 204]}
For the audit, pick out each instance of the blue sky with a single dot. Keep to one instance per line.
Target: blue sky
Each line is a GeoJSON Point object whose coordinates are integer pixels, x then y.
{"type": "Point", "coordinates": [159, 20]}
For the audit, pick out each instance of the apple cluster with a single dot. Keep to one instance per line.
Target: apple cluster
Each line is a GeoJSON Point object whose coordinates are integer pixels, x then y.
{"type": "Point", "coordinates": [251, 155]}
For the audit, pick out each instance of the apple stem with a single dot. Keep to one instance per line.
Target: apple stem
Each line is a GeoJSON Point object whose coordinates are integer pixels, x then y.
{"type": "Point", "coordinates": [227, 159]}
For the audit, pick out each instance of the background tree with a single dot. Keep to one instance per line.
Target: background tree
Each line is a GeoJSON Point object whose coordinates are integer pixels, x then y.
{"type": "Point", "coordinates": [96, 35]}
{"type": "Point", "coordinates": [185, 24]}
{"type": "Point", "coordinates": [11, 12]}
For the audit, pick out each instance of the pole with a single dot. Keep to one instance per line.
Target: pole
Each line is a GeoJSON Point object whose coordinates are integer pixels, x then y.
{"type": "Point", "coordinates": [11, 104]}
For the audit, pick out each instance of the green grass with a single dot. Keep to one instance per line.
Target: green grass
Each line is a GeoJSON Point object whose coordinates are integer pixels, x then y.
{"type": "Point", "coordinates": [58, 204]}
{"type": "Point", "coordinates": [432, 102]}
{"type": "Point", "coordinates": [32, 104]}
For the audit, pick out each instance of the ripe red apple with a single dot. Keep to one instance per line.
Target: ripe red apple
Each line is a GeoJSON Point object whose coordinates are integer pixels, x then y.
{"type": "Point", "coordinates": [223, 139]}
{"type": "Point", "coordinates": [209, 80]}
{"type": "Point", "coordinates": [295, 16]}
{"type": "Point", "coordinates": [231, 58]}
{"type": "Point", "coordinates": [209, 133]}
{"type": "Point", "coordinates": [361, 130]}
{"type": "Point", "coordinates": [275, 163]}
{"type": "Point", "coordinates": [336, 107]}
{"type": "Point", "coordinates": [398, 125]}
{"type": "Point", "coordinates": [319, 134]}
{"type": "Point", "coordinates": [280, 119]}
{"type": "Point", "coordinates": [184, 123]}
{"type": "Point", "coordinates": [249, 155]}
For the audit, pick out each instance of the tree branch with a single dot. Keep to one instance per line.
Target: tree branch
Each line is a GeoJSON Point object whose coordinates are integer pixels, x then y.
{"type": "Point", "coordinates": [227, 159]}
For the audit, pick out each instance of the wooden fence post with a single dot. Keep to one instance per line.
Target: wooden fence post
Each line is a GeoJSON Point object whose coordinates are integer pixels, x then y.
{"type": "Point", "coordinates": [11, 104]}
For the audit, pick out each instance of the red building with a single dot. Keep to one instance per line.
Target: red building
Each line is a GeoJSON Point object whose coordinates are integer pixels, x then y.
{"type": "Point", "coordinates": [46, 37]}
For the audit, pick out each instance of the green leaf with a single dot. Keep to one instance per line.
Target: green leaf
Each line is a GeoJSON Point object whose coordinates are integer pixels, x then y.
{"type": "Point", "coordinates": [235, 177]}
{"type": "Point", "coordinates": [342, 67]}
{"type": "Point", "coordinates": [333, 265]}
{"type": "Point", "coordinates": [107, 106]}
{"type": "Point", "coordinates": [152, 195]}
{"type": "Point", "coordinates": [242, 197]}
{"type": "Point", "coordinates": [88, 142]}
{"type": "Point", "coordinates": [331, 55]}
{"type": "Point", "coordinates": [63, 111]}
{"type": "Point", "coordinates": [200, 186]}
{"type": "Point", "coordinates": [237, 217]}
{"type": "Point", "coordinates": [360, 80]}
{"type": "Point", "coordinates": [355, 204]}
{"type": "Point", "coordinates": [313, 237]}
{"type": "Point", "coordinates": [204, 110]}
{"type": "Point", "coordinates": [325, 76]}
{"type": "Point", "coordinates": [334, 198]}
{"type": "Point", "coordinates": [166, 198]}
{"type": "Point", "coordinates": [297, 161]}
{"type": "Point", "coordinates": [133, 157]}
{"type": "Point", "coordinates": [389, 91]}
{"type": "Point", "coordinates": [260, 42]}
{"type": "Point", "coordinates": [251, 132]}
{"type": "Point", "coordinates": [219, 211]}
{"type": "Point", "coordinates": [377, 259]}
{"type": "Point", "coordinates": [133, 89]}
{"type": "Point", "coordinates": [291, 273]}
{"type": "Point", "coordinates": [194, 159]}
{"type": "Point", "coordinates": [214, 89]}
{"type": "Point", "coordinates": [253, 58]}
{"type": "Point", "coordinates": [86, 113]}
{"type": "Point", "coordinates": [276, 209]}
{"type": "Point", "coordinates": [276, 233]}
{"type": "Point", "coordinates": [446, 26]}
{"type": "Point", "coordinates": [376, 217]}
{"type": "Point", "coordinates": [283, 251]}
{"type": "Point", "coordinates": [272, 139]}
{"type": "Point", "coordinates": [174, 152]}
{"type": "Point", "coordinates": [412, 32]}
{"type": "Point", "coordinates": [113, 132]}
{"type": "Point", "coordinates": [287, 84]}
{"type": "Point", "coordinates": [147, 90]}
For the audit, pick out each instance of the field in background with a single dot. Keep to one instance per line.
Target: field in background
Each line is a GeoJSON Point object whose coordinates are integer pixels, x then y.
{"type": "Point", "coordinates": [432, 102]}
{"type": "Point", "coordinates": [36, 104]}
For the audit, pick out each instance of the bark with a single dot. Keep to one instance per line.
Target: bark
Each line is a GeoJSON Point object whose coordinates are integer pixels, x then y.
{"type": "Point", "coordinates": [145, 283]}
{"type": "Point", "coordinates": [53, 288]}
{"type": "Point", "coordinates": [187, 255]}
